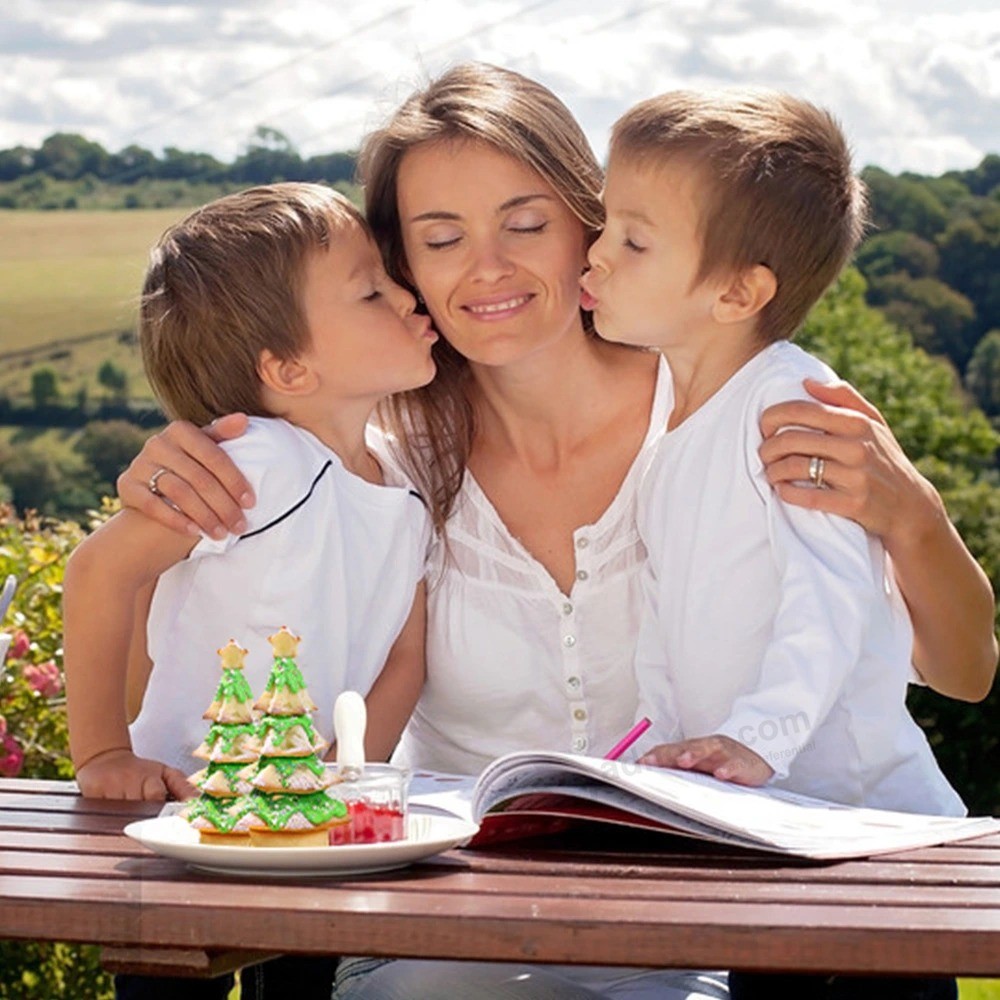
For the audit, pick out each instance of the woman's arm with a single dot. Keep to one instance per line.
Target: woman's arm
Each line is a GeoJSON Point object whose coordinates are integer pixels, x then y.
{"type": "Point", "coordinates": [870, 480]}
{"type": "Point", "coordinates": [202, 487]}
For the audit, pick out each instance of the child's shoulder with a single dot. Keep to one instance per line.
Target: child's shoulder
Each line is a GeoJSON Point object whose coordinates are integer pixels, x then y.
{"type": "Point", "coordinates": [269, 438]}
{"type": "Point", "coordinates": [779, 371]}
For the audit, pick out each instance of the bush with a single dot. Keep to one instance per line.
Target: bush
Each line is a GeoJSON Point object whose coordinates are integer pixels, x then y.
{"type": "Point", "coordinates": [33, 735]}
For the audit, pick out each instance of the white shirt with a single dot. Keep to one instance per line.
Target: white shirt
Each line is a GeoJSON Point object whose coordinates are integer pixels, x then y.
{"type": "Point", "coordinates": [335, 558]}
{"type": "Point", "coordinates": [777, 626]}
{"type": "Point", "coordinates": [512, 662]}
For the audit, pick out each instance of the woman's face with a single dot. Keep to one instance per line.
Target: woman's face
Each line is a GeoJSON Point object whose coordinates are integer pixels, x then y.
{"type": "Point", "coordinates": [494, 251]}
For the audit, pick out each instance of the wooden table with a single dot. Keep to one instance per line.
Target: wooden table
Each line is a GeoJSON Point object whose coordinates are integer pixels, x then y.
{"type": "Point", "coordinates": [68, 873]}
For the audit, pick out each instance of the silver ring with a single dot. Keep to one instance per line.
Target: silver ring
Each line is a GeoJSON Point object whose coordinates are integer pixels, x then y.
{"type": "Point", "coordinates": [153, 488]}
{"type": "Point", "coordinates": [816, 469]}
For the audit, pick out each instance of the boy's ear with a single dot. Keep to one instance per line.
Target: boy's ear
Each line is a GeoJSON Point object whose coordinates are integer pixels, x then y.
{"type": "Point", "coordinates": [285, 376]}
{"type": "Point", "coordinates": [747, 294]}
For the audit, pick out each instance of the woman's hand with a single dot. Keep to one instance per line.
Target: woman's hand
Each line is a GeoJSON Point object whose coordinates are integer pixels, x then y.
{"type": "Point", "coordinates": [868, 478]}
{"type": "Point", "coordinates": [196, 487]}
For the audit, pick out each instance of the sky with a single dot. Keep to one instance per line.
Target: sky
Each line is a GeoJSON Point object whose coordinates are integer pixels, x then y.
{"type": "Point", "coordinates": [916, 83]}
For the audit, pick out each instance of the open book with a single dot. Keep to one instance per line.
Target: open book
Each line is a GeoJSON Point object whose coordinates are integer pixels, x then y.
{"type": "Point", "coordinates": [527, 794]}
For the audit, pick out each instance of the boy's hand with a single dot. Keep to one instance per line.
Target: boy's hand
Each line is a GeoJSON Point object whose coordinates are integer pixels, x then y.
{"type": "Point", "coordinates": [120, 774]}
{"type": "Point", "coordinates": [716, 755]}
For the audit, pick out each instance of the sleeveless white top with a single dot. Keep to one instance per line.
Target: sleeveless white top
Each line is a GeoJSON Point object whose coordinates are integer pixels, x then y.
{"type": "Point", "coordinates": [512, 662]}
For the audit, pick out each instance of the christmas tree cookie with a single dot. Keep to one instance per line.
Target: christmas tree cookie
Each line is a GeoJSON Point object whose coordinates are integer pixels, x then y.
{"type": "Point", "coordinates": [289, 805]}
{"type": "Point", "coordinates": [230, 747]}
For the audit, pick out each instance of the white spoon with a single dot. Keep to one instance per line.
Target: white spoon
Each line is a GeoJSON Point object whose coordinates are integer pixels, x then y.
{"type": "Point", "coordinates": [350, 717]}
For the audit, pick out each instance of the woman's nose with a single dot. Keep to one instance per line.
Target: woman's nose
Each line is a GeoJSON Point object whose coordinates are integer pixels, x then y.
{"type": "Point", "coordinates": [489, 262]}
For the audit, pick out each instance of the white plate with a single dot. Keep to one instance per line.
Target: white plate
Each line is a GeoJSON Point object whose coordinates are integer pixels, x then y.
{"type": "Point", "coordinates": [174, 837]}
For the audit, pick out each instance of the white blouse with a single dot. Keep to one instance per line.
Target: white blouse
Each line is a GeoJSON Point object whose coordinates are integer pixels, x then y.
{"type": "Point", "coordinates": [512, 662]}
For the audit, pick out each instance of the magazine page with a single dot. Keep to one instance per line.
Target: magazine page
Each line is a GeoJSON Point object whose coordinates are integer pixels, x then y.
{"type": "Point", "coordinates": [764, 818]}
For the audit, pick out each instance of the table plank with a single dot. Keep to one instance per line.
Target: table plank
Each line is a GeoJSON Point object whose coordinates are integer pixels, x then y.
{"type": "Point", "coordinates": [725, 887]}
{"type": "Point", "coordinates": [365, 920]}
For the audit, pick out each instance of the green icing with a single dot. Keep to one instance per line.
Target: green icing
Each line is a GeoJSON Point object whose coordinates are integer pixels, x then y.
{"type": "Point", "coordinates": [226, 733]}
{"type": "Point", "coordinates": [282, 723]}
{"type": "Point", "coordinates": [276, 810]}
{"type": "Point", "coordinates": [234, 685]}
{"type": "Point", "coordinates": [223, 814]}
{"type": "Point", "coordinates": [285, 674]}
{"type": "Point", "coordinates": [287, 765]}
{"type": "Point", "coordinates": [231, 771]}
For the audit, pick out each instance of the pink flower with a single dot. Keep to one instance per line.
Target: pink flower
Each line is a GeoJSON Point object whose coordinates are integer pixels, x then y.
{"type": "Point", "coordinates": [11, 756]}
{"type": "Point", "coordinates": [44, 678]}
{"type": "Point", "coordinates": [19, 645]}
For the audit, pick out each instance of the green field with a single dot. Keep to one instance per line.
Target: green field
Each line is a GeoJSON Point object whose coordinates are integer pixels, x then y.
{"type": "Point", "coordinates": [68, 274]}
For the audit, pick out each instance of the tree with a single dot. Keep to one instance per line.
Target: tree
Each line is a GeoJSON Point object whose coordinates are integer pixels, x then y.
{"type": "Point", "coordinates": [109, 445]}
{"type": "Point", "coordinates": [982, 377]}
{"type": "Point", "coordinates": [67, 156]}
{"type": "Point", "coordinates": [270, 156]}
{"type": "Point", "coordinates": [16, 162]}
{"type": "Point", "coordinates": [897, 252]}
{"type": "Point", "coordinates": [44, 387]}
{"type": "Point", "coordinates": [904, 203]}
{"type": "Point", "coordinates": [941, 320]}
{"type": "Point", "coordinates": [114, 379]}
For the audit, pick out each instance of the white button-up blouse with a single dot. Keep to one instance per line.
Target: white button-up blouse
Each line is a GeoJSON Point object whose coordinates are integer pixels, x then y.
{"type": "Point", "coordinates": [512, 662]}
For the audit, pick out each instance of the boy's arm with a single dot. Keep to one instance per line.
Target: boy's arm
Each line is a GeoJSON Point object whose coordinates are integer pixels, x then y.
{"type": "Point", "coordinates": [397, 688]}
{"type": "Point", "coordinates": [104, 576]}
{"type": "Point", "coordinates": [873, 482]}
{"type": "Point", "coordinates": [720, 756]}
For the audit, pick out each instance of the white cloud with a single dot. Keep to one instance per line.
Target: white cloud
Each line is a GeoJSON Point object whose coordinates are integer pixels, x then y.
{"type": "Point", "coordinates": [916, 82]}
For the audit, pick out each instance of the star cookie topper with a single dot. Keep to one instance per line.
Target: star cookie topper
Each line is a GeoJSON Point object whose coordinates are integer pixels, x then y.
{"type": "Point", "coordinates": [232, 655]}
{"type": "Point", "coordinates": [284, 643]}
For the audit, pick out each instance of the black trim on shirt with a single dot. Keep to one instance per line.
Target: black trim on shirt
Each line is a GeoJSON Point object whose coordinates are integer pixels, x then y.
{"type": "Point", "coordinates": [291, 510]}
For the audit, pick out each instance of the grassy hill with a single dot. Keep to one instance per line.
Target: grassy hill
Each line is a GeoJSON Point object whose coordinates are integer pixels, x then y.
{"type": "Point", "coordinates": [68, 287]}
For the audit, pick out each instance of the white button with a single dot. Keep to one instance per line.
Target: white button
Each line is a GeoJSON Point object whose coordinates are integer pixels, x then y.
{"type": "Point", "coordinates": [580, 743]}
{"type": "Point", "coordinates": [567, 608]}
{"type": "Point", "coordinates": [573, 682]}
{"type": "Point", "coordinates": [580, 714]}
{"type": "Point", "coordinates": [582, 543]}
{"type": "Point", "coordinates": [569, 640]}
{"type": "Point", "coordinates": [582, 574]}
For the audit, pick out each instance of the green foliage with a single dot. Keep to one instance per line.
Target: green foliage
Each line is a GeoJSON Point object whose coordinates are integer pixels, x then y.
{"type": "Point", "coordinates": [114, 379]}
{"type": "Point", "coordinates": [44, 479]}
{"type": "Point", "coordinates": [916, 393]}
{"type": "Point", "coordinates": [982, 377]}
{"type": "Point", "coordinates": [33, 734]}
{"type": "Point", "coordinates": [52, 971]}
{"type": "Point", "coordinates": [44, 387]}
{"type": "Point", "coordinates": [109, 446]}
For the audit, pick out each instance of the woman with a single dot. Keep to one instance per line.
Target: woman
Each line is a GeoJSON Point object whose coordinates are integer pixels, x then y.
{"type": "Point", "coordinates": [531, 442]}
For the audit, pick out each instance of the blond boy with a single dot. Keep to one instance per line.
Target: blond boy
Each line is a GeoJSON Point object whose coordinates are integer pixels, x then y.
{"type": "Point", "coordinates": [774, 644]}
{"type": "Point", "coordinates": [272, 301]}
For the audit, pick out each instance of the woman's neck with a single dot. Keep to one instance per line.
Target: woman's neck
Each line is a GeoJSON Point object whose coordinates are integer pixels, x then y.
{"type": "Point", "coordinates": [543, 407]}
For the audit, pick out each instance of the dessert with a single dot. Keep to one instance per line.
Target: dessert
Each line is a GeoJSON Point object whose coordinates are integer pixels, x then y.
{"type": "Point", "coordinates": [288, 804]}
{"type": "Point", "coordinates": [219, 813]}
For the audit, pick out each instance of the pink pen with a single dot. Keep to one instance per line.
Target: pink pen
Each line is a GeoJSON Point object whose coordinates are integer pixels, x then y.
{"type": "Point", "coordinates": [628, 739]}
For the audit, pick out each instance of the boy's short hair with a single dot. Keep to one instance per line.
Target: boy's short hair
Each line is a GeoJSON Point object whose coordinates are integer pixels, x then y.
{"type": "Point", "coordinates": [226, 283]}
{"type": "Point", "coordinates": [779, 188]}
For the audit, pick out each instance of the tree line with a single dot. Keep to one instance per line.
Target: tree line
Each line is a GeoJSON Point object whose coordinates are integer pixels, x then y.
{"type": "Point", "coordinates": [932, 265]}
{"type": "Point", "coordinates": [269, 156]}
